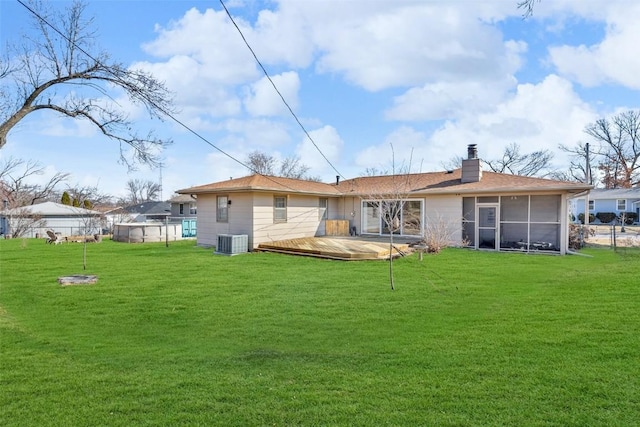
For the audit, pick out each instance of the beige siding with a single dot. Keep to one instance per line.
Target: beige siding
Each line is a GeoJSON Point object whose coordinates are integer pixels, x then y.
{"type": "Point", "coordinates": [445, 210]}
{"type": "Point", "coordinates": [350, 209]}
{"type": "Point", "coordinates": [302, 218]}
{"type": "Point", "coordinates": [240, 215]}
{"type": "Point", "coordinates": [207, 231]}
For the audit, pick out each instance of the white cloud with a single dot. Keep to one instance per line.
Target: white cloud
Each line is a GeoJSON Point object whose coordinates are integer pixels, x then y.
{"type": "Point", "coordinates": [263, 100]}
{"type": "Point", "coordinates": [211, 42]}
{"type": "Point", "coordinates": [613, 60]}
{"type": "Point", "coordinates": [329, 142]}
{"type": "Point", "coordinates": [444, 100]}
{"type": "Point", "coordinates": [405, 147]}
{"type": "Point", "coordinates": [537, 117]}
{"type": "Point", "coordinates": [412, 44]}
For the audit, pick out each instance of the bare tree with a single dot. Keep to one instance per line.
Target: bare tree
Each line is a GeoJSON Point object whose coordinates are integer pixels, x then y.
{"type": "Point", "coordinates": [57, 69]}
{"type": "Point", "coordinates": [140, 191]}
{"type": "Point", "coordinates": [391, 202]}
{"type": "Point", "coordinates": [261, 163]}
{"type": "Point", "coordinates": [580, 168]}
{"type": "Point", "coordinates": [16, 179]}
{"type": "Point", "coordinates": [290, 167]}
{"type": "Point", "coordinates": [91, 225]}
{"type": "Point", "coordinates": [20, 220]}
{"type": "Point", "coordinates": [537, 163]}
{"type": "Point", "coordinates": [454, 162]}
{"type": "Point", "coordinates": [374, 171]}
{"type": "Point", "coordinates": [88, 193]}
{"type": "Point", "coordinates": [618, 149]}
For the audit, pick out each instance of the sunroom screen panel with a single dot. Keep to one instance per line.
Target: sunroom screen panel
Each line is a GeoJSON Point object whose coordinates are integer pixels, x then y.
{"type": "Point", "coordinates": [514, 236]}
{"type": "Point", "coordinates": [545, 237]}
{"type": "Point", "coordinates": [545, 208]}
{"type": "Point", "coordinates": [514, 208]}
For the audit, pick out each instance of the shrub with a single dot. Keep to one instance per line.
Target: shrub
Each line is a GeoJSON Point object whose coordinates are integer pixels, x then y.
{"type": "Point", "coordinates": [592, 218]}
{"type": "Point", "coordinates": [439, 233]}
{"type": "Point", "coordinates": [578, 234]}
{"type": "Point", "coordinates": [606, 217]}
{"type": "Point", "coordinates": [628, 217]}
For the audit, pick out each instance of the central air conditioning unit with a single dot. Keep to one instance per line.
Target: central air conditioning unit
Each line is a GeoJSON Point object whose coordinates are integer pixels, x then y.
{"type": "Point", "coordinates": [232, 244]}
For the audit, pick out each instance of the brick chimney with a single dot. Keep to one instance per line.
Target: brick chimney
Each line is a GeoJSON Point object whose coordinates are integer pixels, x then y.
{"type": "Point", "coordinates": [471, 169]}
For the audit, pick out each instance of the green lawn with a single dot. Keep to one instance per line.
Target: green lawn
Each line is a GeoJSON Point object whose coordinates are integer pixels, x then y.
{"type": "Point", "coordinates": [179, 336]}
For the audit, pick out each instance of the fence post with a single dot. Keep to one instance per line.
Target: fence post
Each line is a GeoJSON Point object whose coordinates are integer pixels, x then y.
{"type": "Point", "coordinates": [613, 232]}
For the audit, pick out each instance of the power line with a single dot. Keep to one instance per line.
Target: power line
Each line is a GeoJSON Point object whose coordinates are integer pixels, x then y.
{"type": "Point", "coordinates": [156, 106]}
{"type": "Point", "coordinates": [276, 89]}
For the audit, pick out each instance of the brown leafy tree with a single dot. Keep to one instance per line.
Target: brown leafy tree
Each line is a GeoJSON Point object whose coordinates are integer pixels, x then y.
{"type": "Point", "coordinates": [60, 55]}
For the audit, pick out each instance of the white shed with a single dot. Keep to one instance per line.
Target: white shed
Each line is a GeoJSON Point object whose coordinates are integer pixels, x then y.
{"type": "Point", "coordinates": [35, 220]}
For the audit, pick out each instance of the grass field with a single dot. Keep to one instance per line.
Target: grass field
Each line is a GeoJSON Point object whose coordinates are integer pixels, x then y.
{"type": "Point", "coordinates": [179, 336]}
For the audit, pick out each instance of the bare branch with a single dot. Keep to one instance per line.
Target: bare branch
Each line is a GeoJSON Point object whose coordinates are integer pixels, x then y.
{"type": "Point", "coordinates": [16, 178]}
{"type": "Point", "coordinates": [50, 60]}
{"type": "Point", "coordinates": [618, 150]}
{"type": "Point", "coordinates": [291, 167]}
{"type": "Point", "coordinates": [140, 191]}
{"type": "Point", "coordinates": [537, 163]}
{"type": "Point", "coordinates": [261, 163]}
{"type": "Point", "coordinates": [527, 6]}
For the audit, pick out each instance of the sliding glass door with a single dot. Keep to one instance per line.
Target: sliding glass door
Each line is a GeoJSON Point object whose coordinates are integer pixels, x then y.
{"type": "Point", "coordinates": [392, 216]}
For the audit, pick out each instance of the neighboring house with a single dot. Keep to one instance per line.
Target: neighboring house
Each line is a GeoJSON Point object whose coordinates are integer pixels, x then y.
{"type": "Point", "coordinates": [113, 216]}
{"type": "Point", "coordinates": [614, 201]}
{"type": "Point", "coordinates": [148, 212]}
{"type": "Point", "coordinates": [482, 210]}
{"type": "Point", "coordinates": [63, 219]}
{"type": "Point", "coordinates": [183, 210]}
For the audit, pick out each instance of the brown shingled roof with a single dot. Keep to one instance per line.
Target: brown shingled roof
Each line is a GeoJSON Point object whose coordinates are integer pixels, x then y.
{"type": "Point", "coordinates": [264, 183]}
{"type": "Point", "coordinates": [450, 183]}
{"type": "Point", "coordinates": [422, 183]}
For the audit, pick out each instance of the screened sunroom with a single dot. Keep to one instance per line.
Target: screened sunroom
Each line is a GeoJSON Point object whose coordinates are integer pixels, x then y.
{"type": "Point", "coordinates": [516, 222]}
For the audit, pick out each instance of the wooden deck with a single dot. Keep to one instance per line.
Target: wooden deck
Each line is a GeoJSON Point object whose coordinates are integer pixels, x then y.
{"type": "Point", "coordinates": [343, 248]}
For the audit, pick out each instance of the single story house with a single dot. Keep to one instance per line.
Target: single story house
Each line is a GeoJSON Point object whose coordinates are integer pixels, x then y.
{"type": "Point", "coordinates": [482, 210]}
{"type": "Point", "coordinates": [617, 201]}
{"type": "Point", "coordinates": [35, 220]}
{"type": "Point", "coordinates": [148, 211]}
{"type": "Point", "coordinates": [184, 210]}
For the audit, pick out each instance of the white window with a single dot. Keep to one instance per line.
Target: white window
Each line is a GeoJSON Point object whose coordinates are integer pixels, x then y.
{"type": "Point", "coordinates": [279, 209]}
{"type": "Point", "coordinates": [181, 208]}
{"type": "Point", "coordinates": [592, 205]}
{"type": "Point", "coordinates": [622, 205]}
{"type": "Point", "coordinates": [222, 211]}
{"type": "Point", "coordinates": [192, 209]}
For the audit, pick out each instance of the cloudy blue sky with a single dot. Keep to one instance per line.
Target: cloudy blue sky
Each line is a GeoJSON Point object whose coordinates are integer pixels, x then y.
{"type": "Point", "coordinates": [426, 76]}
